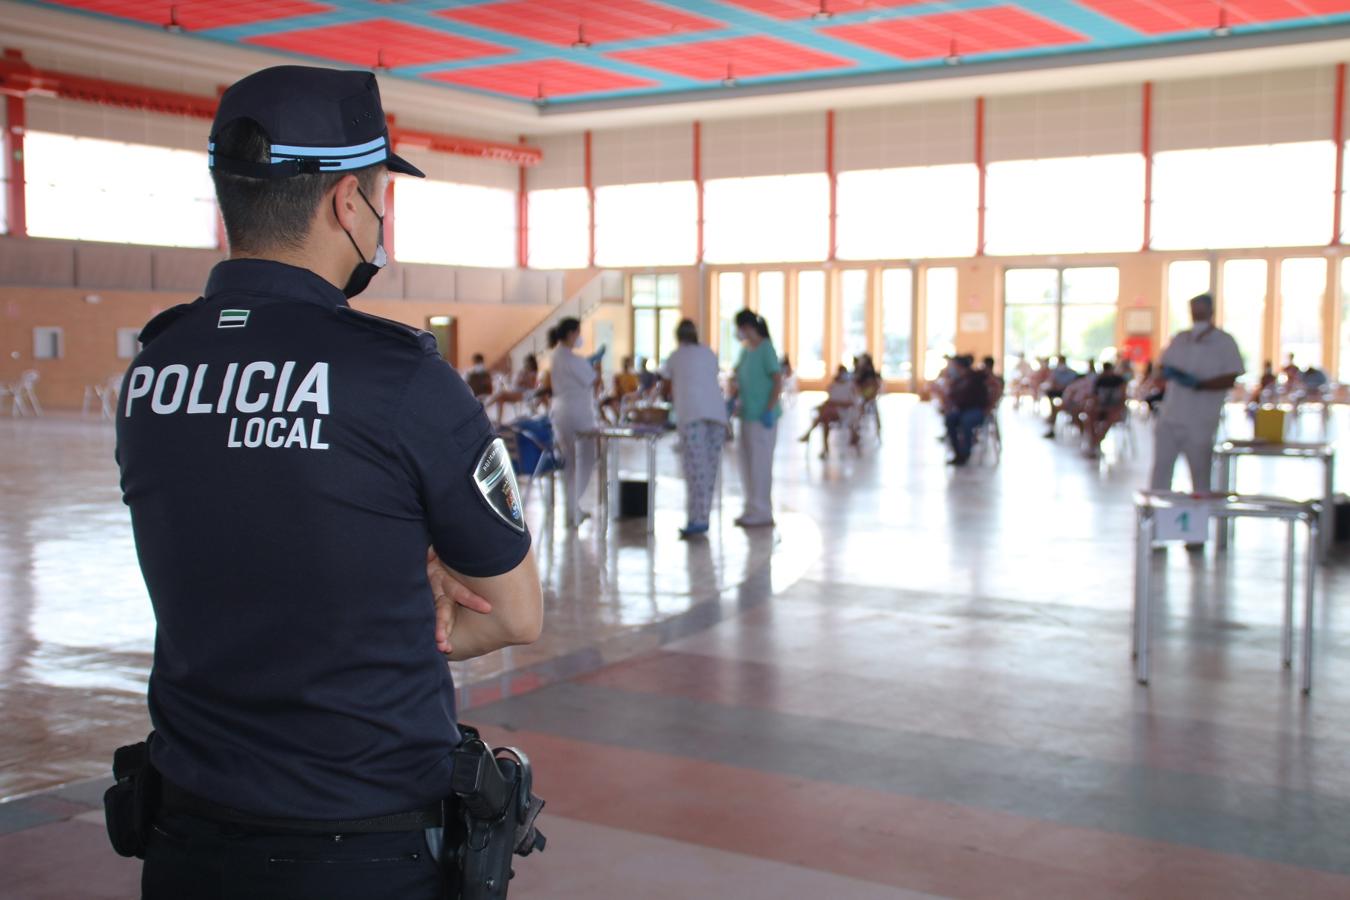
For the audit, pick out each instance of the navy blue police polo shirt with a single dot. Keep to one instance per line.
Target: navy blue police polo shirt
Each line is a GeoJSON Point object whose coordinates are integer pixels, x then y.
{"type": "Point", "coordinates": [287, 461]}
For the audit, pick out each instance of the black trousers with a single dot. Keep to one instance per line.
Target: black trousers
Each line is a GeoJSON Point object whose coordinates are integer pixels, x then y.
{"type": "Point", "coordinates": [192, 859]}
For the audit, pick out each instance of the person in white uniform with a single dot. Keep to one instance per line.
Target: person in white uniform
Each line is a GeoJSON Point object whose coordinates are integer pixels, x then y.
{"type": "Point", "coordinates": [1199, 367]}
{"type": "Point", "coordinates": [690, 374]}
{"type": "Point", "coordinates": [574, 381]}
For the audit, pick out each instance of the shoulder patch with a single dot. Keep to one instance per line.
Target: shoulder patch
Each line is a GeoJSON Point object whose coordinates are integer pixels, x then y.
{"type": "Point", "coordinates": [165, 320]}
{"type": "Point", "coordinates": [495, 480]}
{"type": "Point", "coordinates": [413, 336]}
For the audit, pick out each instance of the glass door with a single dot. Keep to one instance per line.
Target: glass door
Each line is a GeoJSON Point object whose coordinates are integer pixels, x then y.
{"type": "Point", "coordinates": [730, 300]}
{"type": "Point", "coordinates": [897, 324]}
{"type": "Point", "coordinates": [1030, 315]}
{"type": "Point", "coordinates": [939, 319]}
{"type": "Point", "coordinates": [656, 312]}
{"type": "Point", "coordinates": [1344, 375]}
{"type": "Point", "coordinates": [1067, 312]}
{"type": "Point", "coordinates": [1242, 310]}
{"type": "Point", "coordinates": [1303, 288]}
{"type": "Point", "coordinates": [1087, 329]}
{"type": "Point", "coordinates": [810, 361]}
{"type": "Point", "coordinates": [771, 304]}
{"type": "Point", "coordinates": [853, 306]}
{"type": "Point", "coordinates": [1186, 278]}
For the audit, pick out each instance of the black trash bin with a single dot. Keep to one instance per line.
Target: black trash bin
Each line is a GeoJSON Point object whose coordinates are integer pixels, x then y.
{"type": "Point", "coordinates": [632, 499]}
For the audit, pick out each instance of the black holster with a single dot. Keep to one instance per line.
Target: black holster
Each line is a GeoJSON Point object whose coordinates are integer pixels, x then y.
{"type": "Point", "coordinates": [496, 815]}
{"type": "Point", "coordinates": [129, 806]}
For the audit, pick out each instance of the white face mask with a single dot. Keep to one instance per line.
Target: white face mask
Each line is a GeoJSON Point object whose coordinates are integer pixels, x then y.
{"type": "Point", "coordinates": [1200, 328]}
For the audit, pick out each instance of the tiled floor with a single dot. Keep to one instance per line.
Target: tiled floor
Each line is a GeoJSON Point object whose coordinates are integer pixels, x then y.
{"type": "Point", "coordinates": [920, 685]}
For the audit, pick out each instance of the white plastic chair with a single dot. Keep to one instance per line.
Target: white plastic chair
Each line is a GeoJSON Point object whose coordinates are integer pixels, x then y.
{"type": "Point", "coordinates": [26, 392]}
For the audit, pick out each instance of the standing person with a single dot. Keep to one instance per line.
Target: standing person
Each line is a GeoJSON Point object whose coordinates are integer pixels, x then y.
{"type": "Point", "coordinates": [1198, 367]}
{"type": "Point", "coordinates": [700, 411]}
{"type": "Point", "coordinates": [759, 383]}
{"type": "Point", "coordinates": [573, 379]}
{"type": "Point", "coordinates": [282, 503]}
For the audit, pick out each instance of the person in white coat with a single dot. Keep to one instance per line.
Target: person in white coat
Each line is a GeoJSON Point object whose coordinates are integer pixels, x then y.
{"type": "Point", "coordinates": [1199, 367]}
{"type": "Point", "coordinates": [574, 381]}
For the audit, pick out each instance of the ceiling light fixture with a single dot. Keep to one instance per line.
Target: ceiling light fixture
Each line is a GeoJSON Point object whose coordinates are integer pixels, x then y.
{"type": "Point", "coordinates": [539, 99]}
{"type": "Point", "coordinates": [823, 14]}
{"type": "Point", "coordinates": [953, 57]}
{"type": "Point", "coordinates": [1222, 29]}
{"type": "Point", "coordinates": [173, 26]}
{"type": "Point", "coordinates": [730, 79]}
{"type": "Point", "coordinates": [581, 43]}
{"type": "Point", "coordinates": [379, 62]}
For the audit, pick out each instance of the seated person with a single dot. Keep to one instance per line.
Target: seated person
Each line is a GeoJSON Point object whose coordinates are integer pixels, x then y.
{"type": "Point", "coordinates": [1265, 389]}
{"type": "Point", "coordinates": [626, 384]}
{"type": "Point", "coordinates": [1105, 407]}
{"type": "Point", "coordinates": [478, 378]}
{"type": "Point", "coordinates": [868, 381]}
{"type": "Point", "coordinates": [1060, 378]}
{"type": "Point", "coordinates": [1148, 388]}
{"type": "Point", "coordinates": [522, 389]}
{"type": "Point", "coordinates": [994, 380]}
{"type": "Point", "coordinates": [1314, 379]}
{"type": "Point", "coordinates": [968, 400]}
{"type": "Point", "coordinates": [646, 378]}
{"type": "Point", "coordinates": [1293, 375]}
{"type": "Point", "coordinates": [839, 407]}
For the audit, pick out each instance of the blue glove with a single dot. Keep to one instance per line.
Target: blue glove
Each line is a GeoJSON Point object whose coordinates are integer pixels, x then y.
{"type": "Point", "coordinates": [769, 419]}
{"type": "Point", "coordinates": [596, 356]}
{"type": "Point", "coordinates": [1185, 379]}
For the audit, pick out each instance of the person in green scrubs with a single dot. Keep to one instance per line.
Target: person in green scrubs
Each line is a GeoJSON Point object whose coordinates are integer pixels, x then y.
{"type": "Point", "coordinates": [759, 383]}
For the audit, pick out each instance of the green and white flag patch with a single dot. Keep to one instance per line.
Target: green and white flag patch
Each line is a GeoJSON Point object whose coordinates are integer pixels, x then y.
{"type": "Point", "coordinates": [233, 318]}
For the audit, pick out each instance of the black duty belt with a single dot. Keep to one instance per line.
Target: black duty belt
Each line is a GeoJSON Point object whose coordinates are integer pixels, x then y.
{"type": "Point", "coordinates": [177, 800]}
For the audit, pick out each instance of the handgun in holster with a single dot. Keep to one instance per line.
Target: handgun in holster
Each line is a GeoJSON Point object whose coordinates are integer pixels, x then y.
{"type": "Point", "coordinates": [497, 812]}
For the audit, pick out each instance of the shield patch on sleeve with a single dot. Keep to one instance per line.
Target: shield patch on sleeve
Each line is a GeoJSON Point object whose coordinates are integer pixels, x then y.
{"type": "Point", "coordinates": [496, 481]}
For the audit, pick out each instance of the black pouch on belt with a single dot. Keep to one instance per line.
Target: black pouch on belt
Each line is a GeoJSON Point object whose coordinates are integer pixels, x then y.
{"type": "Point", "coordinates": [129, 806]}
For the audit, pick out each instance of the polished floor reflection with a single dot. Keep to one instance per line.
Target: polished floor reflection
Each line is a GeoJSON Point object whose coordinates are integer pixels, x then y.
{"type": "Point", "coordinates": [918, 685]}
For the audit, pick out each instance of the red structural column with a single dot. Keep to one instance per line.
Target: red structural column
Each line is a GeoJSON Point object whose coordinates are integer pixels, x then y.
{"type": "Point", "coordinates": [980, 168]}
{"type": "Point", "coordinates": [522, 219]}
{"type": "Point", "coordinates": [1338, 135]}
{"type": "Point", "coordinates": [590, 201]}
{"type": "Point", "coordinates": [834, 184]}
{"type": "Point", "coordinates": [17, 209]}
{"type": "Point", "coordinates": [1146, 147]}
{"type": "Point", "coordinates": [698, 187]}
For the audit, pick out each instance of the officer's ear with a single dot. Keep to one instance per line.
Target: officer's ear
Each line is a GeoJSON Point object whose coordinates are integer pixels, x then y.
{"type": "Point", "coordinates": [346, 202]}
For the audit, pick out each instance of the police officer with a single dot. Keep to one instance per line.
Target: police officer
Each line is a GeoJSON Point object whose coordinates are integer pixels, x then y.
{"type": "Point", "coordinates": [288, 462]}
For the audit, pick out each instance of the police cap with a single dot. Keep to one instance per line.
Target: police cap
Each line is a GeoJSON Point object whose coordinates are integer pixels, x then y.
{"type": "Point", "coordinates": [316, 120]}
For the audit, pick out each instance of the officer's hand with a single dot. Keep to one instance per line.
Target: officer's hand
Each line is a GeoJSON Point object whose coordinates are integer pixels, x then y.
{"type": "Point", "coordinates": [449, 595]}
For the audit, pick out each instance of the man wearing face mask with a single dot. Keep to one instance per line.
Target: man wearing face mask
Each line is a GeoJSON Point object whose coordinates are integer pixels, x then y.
{"type": "Point", "coordinates": [1199, 367]}
{"type": "Point", "coordinates": [312, 489]}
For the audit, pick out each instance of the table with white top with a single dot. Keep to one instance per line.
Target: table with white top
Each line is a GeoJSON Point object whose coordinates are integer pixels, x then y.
{"type": "Point", "coordinates": [1156, 509]}
{"type": "Point", "coordinates": [650, 435]}
{"type": "Point", "coordinates": [1226, 454]}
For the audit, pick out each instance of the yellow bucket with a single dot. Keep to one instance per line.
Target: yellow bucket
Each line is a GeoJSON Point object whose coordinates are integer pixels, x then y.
{"type": "Point", "coordinates": [1270, 425]}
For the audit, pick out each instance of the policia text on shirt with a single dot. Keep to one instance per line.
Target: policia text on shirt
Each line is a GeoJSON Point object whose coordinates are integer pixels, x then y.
{"type": "Point", "coordinates": [244, 389]}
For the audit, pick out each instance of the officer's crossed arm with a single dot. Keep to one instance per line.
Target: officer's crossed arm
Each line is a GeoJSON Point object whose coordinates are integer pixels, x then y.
{"type": "Point", "coordinates": [463, 631]}
{"type": "Point", "coordinates": [473, 516]}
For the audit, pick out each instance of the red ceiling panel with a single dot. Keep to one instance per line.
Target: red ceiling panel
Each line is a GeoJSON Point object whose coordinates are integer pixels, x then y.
{"type": "Point", "coordinates": [748, 57]}
{"type": "Point", "coordinates": [991, 30]}
{"type": "Point", "coordinates": [1165, 16]}
{"type": "Point", "coordinates": [804, 9]}
{"type": "Point", "coordinates": [197, 15]}
{"type": "Point", "coordinates": [557, 21]}
{"type": "Point", "coordinates": [551, 77]}
{"type": "Point", "coordinates": [368, 43]}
